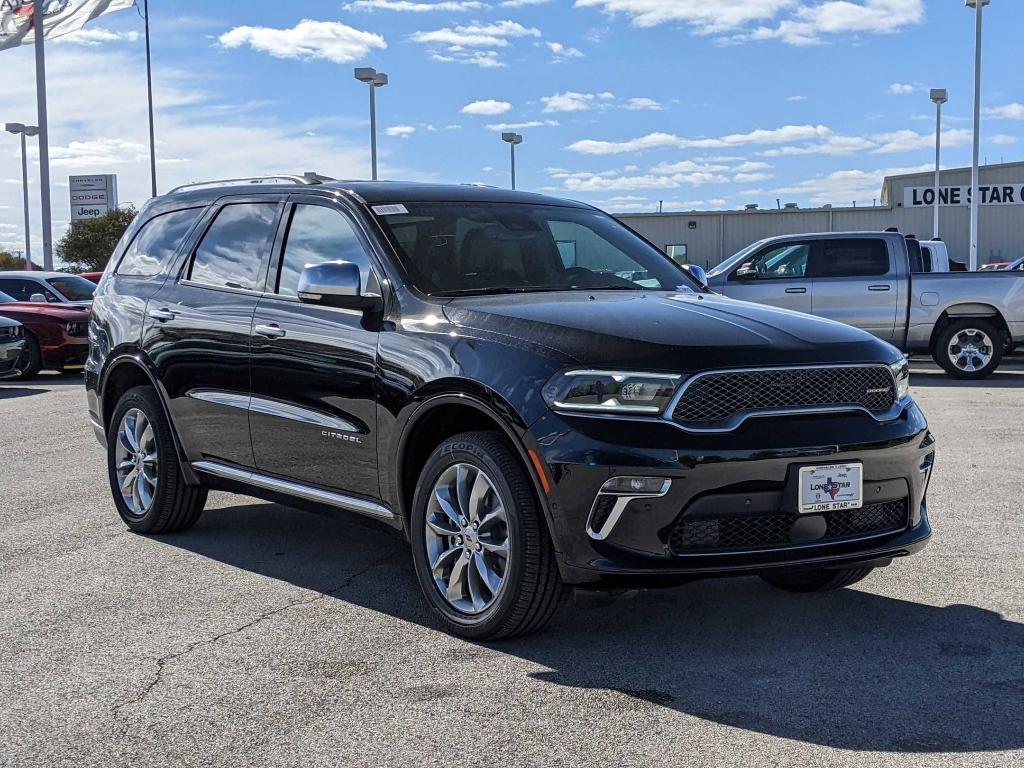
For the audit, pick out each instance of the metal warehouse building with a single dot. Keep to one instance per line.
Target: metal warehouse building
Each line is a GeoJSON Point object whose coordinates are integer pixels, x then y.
{"type": "Point", "coordinates": [708, 237]}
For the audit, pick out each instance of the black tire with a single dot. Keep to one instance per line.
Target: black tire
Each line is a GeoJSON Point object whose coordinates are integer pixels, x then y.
{"type": "Point", "coordinates": [175, 505]}
{"type": "Point", "coordinates": [532, 590]}
{"type": "Point", "coordinates": [31, 359]}
{"type": "Point", "coordinates": [943, 340]}
{"type": "Point", "coordinates": [817, 580]}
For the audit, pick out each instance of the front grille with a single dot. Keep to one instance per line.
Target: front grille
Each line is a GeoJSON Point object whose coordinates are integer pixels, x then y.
{"type": "Point", "coordinates": [721, 400]}
{"type": "Point", "coordinates": [724, 533]}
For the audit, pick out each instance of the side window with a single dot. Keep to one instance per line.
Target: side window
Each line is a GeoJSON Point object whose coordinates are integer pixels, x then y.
{"type": "Point", "coordinates": [234, 251]}
{"type": "Point", "coordinates": [783, 261]}
{"type": "Point", "coordinates": [852, 258]}
{"type": "Point", "coordinates": [926, 259]}
{"type": "Point", "coordinates": [318, 234]}
{"type": "Point", "coordinates": [677, 253]}
{"type": "Point", "coordinates": [156, 243]}
{"type": "Point", "coordinates": [22, 290]}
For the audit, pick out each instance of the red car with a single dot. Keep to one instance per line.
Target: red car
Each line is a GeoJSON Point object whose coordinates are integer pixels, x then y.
{"type": "Point", "coordinates": [93, 276]}
{"type": "Point", "coordinates": [56, 335]}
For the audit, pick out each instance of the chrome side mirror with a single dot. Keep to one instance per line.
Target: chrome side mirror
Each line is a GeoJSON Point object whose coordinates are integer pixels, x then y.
{"type": "Point", "coordinates": [37, 298]}
{"type": "Point", "coordinates": [697, 273]}
{"type": "Point", "coordinates": [335, 284]}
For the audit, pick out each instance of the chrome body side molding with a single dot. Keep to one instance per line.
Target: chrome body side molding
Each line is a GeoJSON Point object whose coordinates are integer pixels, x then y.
{"type": "Point", "coordinates": [291, 488]}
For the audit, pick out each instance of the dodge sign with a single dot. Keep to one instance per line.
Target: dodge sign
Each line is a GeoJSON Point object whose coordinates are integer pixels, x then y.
{"type": "Point", "coordinates": [92, 196]}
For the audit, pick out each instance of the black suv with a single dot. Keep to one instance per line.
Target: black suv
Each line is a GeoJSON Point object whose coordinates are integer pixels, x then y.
{"type": "Point", "coordinates": [536, 396]}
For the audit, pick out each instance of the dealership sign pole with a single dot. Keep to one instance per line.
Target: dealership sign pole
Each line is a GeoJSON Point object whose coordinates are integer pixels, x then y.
{"type": "Point", "coordinates": [44, 137]}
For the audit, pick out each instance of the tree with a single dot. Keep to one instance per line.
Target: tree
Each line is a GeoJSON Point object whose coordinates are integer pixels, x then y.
{"type": "Point", "coordinates": [88, 244]}
{"type": "Point", "coordinates": [10, 261]}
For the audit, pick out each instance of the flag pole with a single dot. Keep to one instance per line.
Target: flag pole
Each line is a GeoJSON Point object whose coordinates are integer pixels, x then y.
{"type": "Point", "coordinates": [44, 135]}
{"type": "Point", "coordinates": [149, 88]}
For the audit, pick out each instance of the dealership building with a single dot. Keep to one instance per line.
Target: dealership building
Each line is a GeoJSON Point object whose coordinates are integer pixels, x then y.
{"type": "Point", "coordinates": [708, 237]}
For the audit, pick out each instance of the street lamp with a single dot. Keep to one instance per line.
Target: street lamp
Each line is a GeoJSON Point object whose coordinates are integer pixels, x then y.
{"type": "Point", "coordinates": [940, 97]}
{"type": "Point", "coordinates": [512, 139]}
{"type": "Point", "coordinates": [977, 5]}
{"type": "Point", "coordinates": [375, 80]}
{"type": "Point", "coordinates": [25, 131]}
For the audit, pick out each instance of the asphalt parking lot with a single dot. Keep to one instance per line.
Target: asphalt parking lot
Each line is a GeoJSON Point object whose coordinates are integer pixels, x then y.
{"type": "Point", "coordinates": [269, 636]}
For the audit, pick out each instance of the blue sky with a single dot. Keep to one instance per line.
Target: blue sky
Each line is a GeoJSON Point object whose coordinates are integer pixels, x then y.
{"type": "Point", "coordinates": [622, 103]}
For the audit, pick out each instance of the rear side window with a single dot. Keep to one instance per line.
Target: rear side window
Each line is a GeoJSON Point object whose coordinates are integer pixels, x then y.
{"type": "Point", "coordinates": [22, 290]}
{"type": "Point", "coordinates": [852, 258]}
{"type": "Point", "coordinates": [234, 251]}
{"type": "Point", "coordinates": [156, 243]}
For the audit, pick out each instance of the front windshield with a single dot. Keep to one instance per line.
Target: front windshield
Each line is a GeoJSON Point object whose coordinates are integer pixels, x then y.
{"type": "Point", "coordinates": [5, 299]}
{"type": "Point", "coordinates": [734, 260]}
{"type": "Point", "coordinates": [459, 249]}
{"type": "Point", "coordinates": [73, 287]}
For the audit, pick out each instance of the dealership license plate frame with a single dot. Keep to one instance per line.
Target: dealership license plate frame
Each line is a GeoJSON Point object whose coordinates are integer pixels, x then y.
{"type": "Point", "coordinates": [811, 502]}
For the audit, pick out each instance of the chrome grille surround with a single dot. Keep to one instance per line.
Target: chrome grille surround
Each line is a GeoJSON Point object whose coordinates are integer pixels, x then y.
{"type": "Point", "coordinates": [719, 401]}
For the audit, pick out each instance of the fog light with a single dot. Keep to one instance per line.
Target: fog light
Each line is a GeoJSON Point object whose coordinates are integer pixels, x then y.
{"type": "Point", "coordinates": [637, 486]}
{"type": "Point", "coordinates": [614, 497]}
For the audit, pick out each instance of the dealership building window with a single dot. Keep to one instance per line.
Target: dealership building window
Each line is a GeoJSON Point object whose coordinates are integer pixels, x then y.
{"type": "Point", "coordinates": [677, 253]}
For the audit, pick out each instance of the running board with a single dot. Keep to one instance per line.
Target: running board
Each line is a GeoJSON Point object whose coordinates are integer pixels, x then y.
{"type": "Point", "coordinates": [290, 488]}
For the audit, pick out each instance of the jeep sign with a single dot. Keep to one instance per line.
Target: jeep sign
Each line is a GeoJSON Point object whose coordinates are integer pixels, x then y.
{"type": "Point", "coordinates": [991, 194]}
{"type": "Point", "coordinates": [92, 196]}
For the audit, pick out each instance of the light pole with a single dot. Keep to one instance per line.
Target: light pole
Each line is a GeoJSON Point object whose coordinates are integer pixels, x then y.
{"type": "Point", "coordinates": [25, 131]}
{"type": "Point", "coordinates": [512, 139]}
{"type": "Point", "coordinates": [977, 5]}
{"type": "Point", "coordinates": [375, 80]}
{"type": "Point", "coordinates": [940, 97]}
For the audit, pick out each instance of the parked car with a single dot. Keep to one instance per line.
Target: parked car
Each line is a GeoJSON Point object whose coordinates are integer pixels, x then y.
{"type": "Point", "coordinates": [435, 357]}
{"type": "Point", "coordinates": [93, 277]}
{"type": "Point", "coordinates": [48, 287]}
{"type": "Point", "coordinates": [1015, 266]}
{"type": "Point", "coordinates": [12, 341]}
{"type": "Point", "coordinates": [992, 266]}
{"type": "Point", "coordinates": [56, 335]}
{"type": "Point", "coordinates": [875, 281]}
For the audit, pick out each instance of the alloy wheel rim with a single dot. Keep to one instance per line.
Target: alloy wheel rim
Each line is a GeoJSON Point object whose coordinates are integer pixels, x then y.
{"type": "Point", "coordinates": [467, 538]}
{"type": "Point", "coordinates": [970, 350]}
{"type": "Point", "coordinates": [135, 457]}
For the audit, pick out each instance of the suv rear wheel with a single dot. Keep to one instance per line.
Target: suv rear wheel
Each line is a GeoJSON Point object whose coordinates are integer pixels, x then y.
{"type": "Point", "coordinates": [142, 464]}
{"type": "Point", "coordinates": [821, 580]}
{"type": "Point", "coordinates": [481, 548]}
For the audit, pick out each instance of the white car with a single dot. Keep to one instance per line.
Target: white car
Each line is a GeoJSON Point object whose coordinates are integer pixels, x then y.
{"type": "Point", "coordinates": [48, 287]}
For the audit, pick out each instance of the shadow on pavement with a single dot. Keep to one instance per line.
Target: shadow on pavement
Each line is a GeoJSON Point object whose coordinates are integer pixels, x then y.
{"type": "Point", "coordinates": [850, 669]}
{"type": "Point", "coordinates": [939, 378]}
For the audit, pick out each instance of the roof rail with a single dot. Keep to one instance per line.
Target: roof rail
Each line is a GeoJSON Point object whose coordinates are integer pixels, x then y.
{"type": "Point", "coordinates": [307, 179]}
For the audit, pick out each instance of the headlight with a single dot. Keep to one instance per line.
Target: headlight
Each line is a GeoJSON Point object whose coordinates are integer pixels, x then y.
{"type": "Point", "coordinates": [611, 391]}
{"type": "Point", "coordinates": [901, 372]}
{"type": "Point", "coordinates": [77, 328]}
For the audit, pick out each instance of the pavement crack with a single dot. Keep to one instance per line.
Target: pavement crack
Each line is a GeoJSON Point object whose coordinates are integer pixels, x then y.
{"type": "Point", "coordinates": [119, 711]}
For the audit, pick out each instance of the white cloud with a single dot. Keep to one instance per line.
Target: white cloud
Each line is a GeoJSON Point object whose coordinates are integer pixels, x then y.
{"type": "Point", "coordinates": [783, 135]}
{"type": "Point", "coordinates": [808, 23]}
{"type": "Point", "coordinates": [486, 107]}
{"type": "Point", "coordinates": [843, 187]}
{"type": "Point", "coordinates": [911, 141]}
{"type": "Point", "coordinates": [641, 102]}
{"type": "Point", "coordinates": [702, 15]}
{"type": "Point", "coordinates": [98, 36]}
{"type": "Point", "coordinates": [560, 52]}
{"type": "Point", "coordinates": [408, 6]}
{"type": "Point", "coordinates": [1014, 111]}
{"type": "Point", "coordinates": [477, 35]}
{"type": "Point", "coordinates": [796, 98]}
{"type": "Point", "coordinates": [690, 173]}
{"type": "Point", "coordinates": [1002, 140]}
{"type": "Point", "coordinates": [570, 101]}
{"type": "Point", "coordinates": [308, 39]}
{"type": "Point", "coordinates": [403, 131]}
{"type": "Point", "coordinates": [483, 59]}
{"type": "Point", "coordinates": [901, 89]}
{"type": "Point", "coordinates": [521, 126]}
{"type": "Point", "coordinates": [880, 144]}
{"type": "Point", "coordinates": [750, 178]}
{"type": "Point", "coordinates": [521, 3]}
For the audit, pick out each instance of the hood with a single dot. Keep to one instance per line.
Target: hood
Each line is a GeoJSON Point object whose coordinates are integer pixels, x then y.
{"type": "Point", "coordinates": [667, 331]}
{"type": "Point", "coordinates": [63, 312]}
{"type": "Point", "coordinates": [7, 323]}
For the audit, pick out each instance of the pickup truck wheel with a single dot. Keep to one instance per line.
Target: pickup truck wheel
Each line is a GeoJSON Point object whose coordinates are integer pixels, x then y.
{"type": "Point", "coordinates": [30, 361]}
{"type": "Point", "coordinates": [481, 548]}
{"type": "Point", "coordinates": [970, 348]}
{"type": "Point", "coordinates": [817, 580]}
{"type": "Point", "coordinates": [149, 490]}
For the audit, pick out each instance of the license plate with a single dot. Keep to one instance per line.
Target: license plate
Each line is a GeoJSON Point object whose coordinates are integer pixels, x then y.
{"type": "Point", "coordinates": [831, 486]}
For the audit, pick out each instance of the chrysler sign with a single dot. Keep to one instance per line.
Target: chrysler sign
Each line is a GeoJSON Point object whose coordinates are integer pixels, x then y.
{"type": "Point", "coordinates": [92, 196]}
{"type": "Point", "coordinates": [989, 194]}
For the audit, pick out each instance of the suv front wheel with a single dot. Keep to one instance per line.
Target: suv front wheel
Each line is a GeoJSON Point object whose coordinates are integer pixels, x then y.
{"type": "Point", "coordinates": [149, 490]}
{"type": "Point", "coordinates": [481, 548]}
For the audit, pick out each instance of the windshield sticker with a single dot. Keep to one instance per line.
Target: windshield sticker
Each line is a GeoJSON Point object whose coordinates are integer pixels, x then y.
{"type": "Point", "coordinates": [389, 210]}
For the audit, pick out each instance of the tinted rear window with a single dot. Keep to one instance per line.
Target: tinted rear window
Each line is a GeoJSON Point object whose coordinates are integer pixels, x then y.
{"type": "Point", "coordinates": [235, 249]}
{"type": "Point", "coordinates": [852, 258]}
{"type": "Point", "coordinates": [156, 243]}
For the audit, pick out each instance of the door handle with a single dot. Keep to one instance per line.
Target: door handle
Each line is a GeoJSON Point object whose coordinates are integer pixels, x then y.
{"type": "Point", "coordinates": [163, 314]}
{"type": "Point", "coordinates": [796, 290]}
{"type": "Point", "coordinates": [878, 287]}
{"type": "Point", "coordinates": [272, 331]}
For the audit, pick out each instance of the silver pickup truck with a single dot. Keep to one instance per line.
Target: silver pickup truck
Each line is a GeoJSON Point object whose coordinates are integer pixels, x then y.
{"type": "Point", "coordinates": [876, 281]}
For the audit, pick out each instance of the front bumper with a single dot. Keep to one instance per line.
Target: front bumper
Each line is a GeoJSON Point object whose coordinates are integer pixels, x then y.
{"type": "Point", "coordinates": [9, 354]}
{"type": "Point", "coordinates": [71, 353]}
{"type": "Point", "coordinates": [745, 475]}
